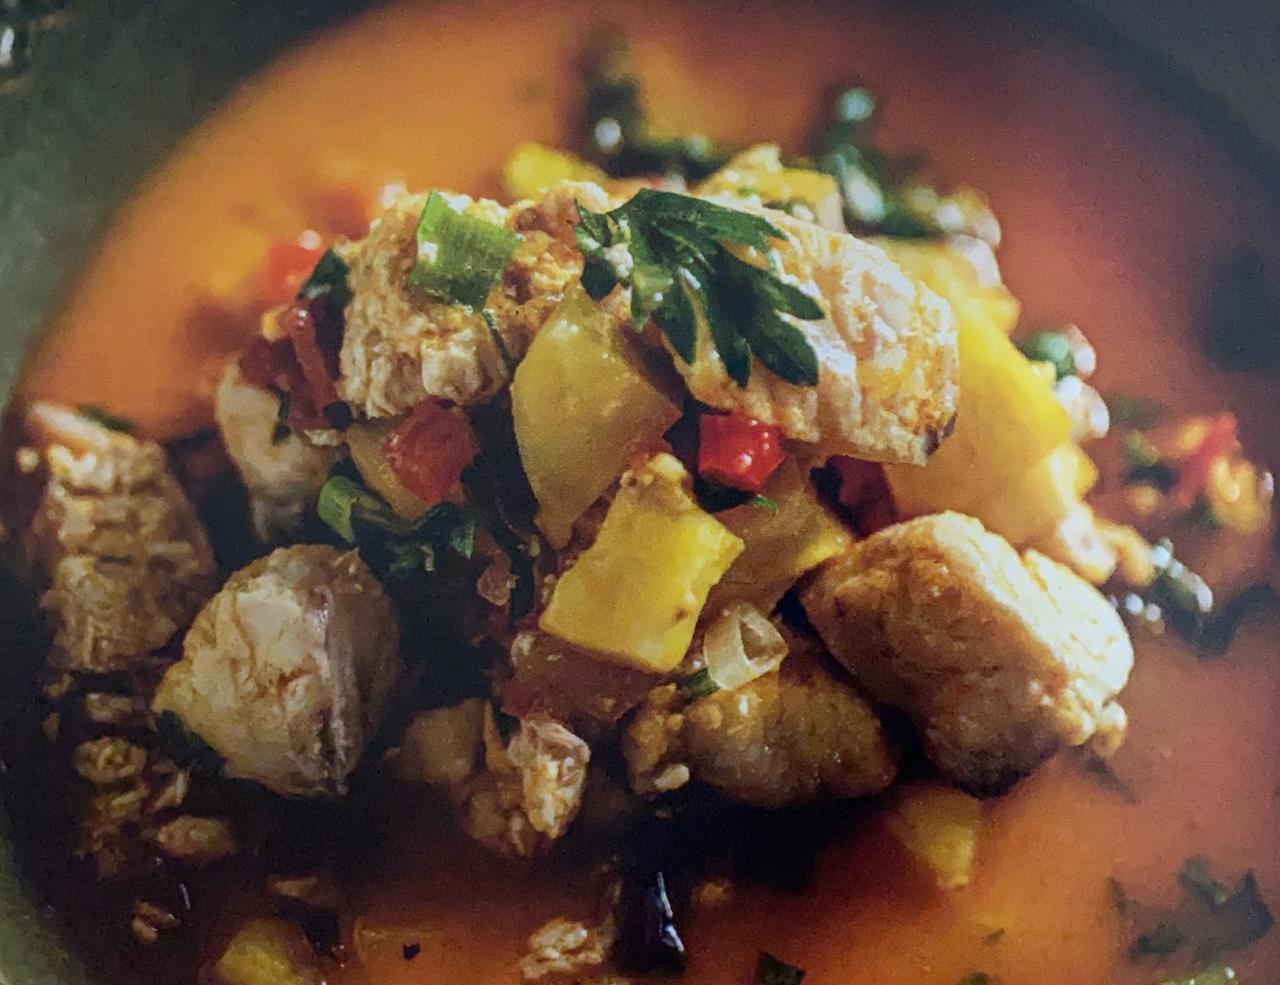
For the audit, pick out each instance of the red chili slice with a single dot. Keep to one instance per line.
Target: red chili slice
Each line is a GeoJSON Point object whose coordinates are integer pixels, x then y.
{"type": "Point", "coordinates": [430, 450]}
{"type": "Point", "coordinates": [739, 452]}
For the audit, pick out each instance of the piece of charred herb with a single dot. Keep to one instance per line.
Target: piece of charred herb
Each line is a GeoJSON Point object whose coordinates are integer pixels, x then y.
{"type": "Point", "coordinates": [884, 194]}
{"type": "Point", "coordinates": [670, 250]}
{"type": "Point", "coordinates": [1217, 974]}
{"type": "Point", "coordinates": [460, 257]}
{"type": "Point", "coordinates": [772, 970]}
{"type": "Point", "coordinates": [616, 132]}
{"type": "Point", "coordinates": [186, 748]}
{"type": "Point", "coordinates": [1144, 465]}
{"type": "Point", "coordinates": [648, 940]}
{"type": "Point", "coordinates": [399, 546]}
{"type": "Point", "coordinates": [1139, 413]}
{"type": "Point", "coordinates": [1051, 347]}
{"type": "Point", "coordinates": [975, 978]}
{"type": "Point", "coordinates": [1106, 775]}
{"type": "Point", "coordinates": [112, 422]}
{"type": "Point", "coordinates": [1212, 919]}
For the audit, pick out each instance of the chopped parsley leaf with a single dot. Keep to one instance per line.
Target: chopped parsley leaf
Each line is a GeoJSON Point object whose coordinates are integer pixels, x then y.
{"type": "Point", "coordinates": [460, 257]}
{"type": "Point", "coordinates": [775, 971]}
{"type": "Point", "coordinates": [670, 250]}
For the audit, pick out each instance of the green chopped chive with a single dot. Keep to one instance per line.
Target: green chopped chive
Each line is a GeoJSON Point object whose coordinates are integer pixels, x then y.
{"type": "Point", "coordinates": [460, 257]}
{"type": "Point", "coordinates": [699, 684]}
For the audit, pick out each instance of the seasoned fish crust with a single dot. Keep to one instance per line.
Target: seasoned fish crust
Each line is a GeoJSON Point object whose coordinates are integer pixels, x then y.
{"type": "Point", "coordinates": [790, 737]}
{"type": "Point", "coordinates": [401, 346]}
{"type": "Point", "coordinates": [286, 672]}
{"type": "Point", "coordinates": [128, 561]}
{"type": "Point", "coordinates": [998, 659]}
{"type": "Point", "coordinates": [886, 352]}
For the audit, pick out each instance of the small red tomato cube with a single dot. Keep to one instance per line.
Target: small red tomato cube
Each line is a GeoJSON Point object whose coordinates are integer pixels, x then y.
{"type": "Point", "coordinates": [288, 264]}
{"type": "Point", "coordinates": [739, 452]}
{"type": "Point", "coordinates": [430, 450]}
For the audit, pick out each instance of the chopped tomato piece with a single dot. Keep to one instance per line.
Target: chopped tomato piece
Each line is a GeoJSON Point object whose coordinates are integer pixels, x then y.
{"type": "Point", "coordinates": [429, 451]}
{"type": "Point", "coordinates": [1220, 439]}
{"type": "Point", "coordinates": [865, 493]}
{"type": "Point", "coordinates": [739, 452]}
{"type": "Point", "coordinates": [288, 264]}
{"type": "Point", "coordinates": [316, 344]}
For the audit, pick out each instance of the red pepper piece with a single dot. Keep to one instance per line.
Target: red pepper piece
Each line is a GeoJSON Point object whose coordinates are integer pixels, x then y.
{"type": "Point", "coordinates": [1220, 439]}
{"type": "Point", "coordinates": [739, 452]}
{"type": "Point", "coordinates": [429, 451]}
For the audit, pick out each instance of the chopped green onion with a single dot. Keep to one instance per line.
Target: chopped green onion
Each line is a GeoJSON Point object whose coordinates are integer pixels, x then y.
{"type": "Point", "coordinates": [112, 422]}
{"type": "Point", "coordinates": [1053, 348]}
{"type": "Point", "coordinates": [460, 257]}
{"type": "Point", "coordinates": [775, 971]}
{"type": "Point", "coordinates": [760, 501]}
{"type": "Point", "coordinates": [740, 645]}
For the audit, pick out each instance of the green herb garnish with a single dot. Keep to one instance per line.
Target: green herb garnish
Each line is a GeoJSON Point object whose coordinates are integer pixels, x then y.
{"type": "Point", "coordinates": [616, 132]}
{"type": "Point", "coordinates": [112, 422]}
{"type": "Point", "coordinates": [1216, 975]}
{"type": "Point", "coordinates": [359, 516]}
{"type": "Point", "coordinates": [460, 257]}
{"type": "Point", "coordinates": [670, 250]}
{"type": "Point", "coordinates": [1134, 412]}
{"type": "Point", "coordinates": [1144, 464]}
{"type": "Point", "coordinates": [1212, 919]}
{"type": "Point", "coordinates": [775, 971]}
{"type": "Point", "coordinates": [1053, 348]}
{"type": "Point", "coordinates": [699, 684]}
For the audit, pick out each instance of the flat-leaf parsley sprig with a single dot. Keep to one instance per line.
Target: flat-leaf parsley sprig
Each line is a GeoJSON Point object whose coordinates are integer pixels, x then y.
{"type": "Point", "coordinates": [670, 250]}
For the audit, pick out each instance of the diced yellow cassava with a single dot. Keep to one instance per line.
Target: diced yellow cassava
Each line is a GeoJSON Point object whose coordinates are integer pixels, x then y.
{"type": "Point", "coordinates": [759, 173]}
{"type": "Point", "coordinates": [939, 827]}
{"type": "Point", "coordinates": [533, 168]}
{"type": "Point", "coordinates": [1007, 418]}
{"type": "Point", "coordinates": [634, 596]}
{"type": "Point", "coordinates": [365, 441]}
{"type": "Point", "coordinates": [581, 412]}
{"type": "Point", "coordinates": [975, 294]}
{"type": "Point", "coordinates": [267, 952]}
{"type": "Point", "coordinates": [1039, 499]}
{"type": "Point", "coordinates": [781, 546]}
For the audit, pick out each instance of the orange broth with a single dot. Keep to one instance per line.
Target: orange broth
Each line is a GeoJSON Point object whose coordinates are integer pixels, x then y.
{"type": "Point", "coordinates": [1115, 208]}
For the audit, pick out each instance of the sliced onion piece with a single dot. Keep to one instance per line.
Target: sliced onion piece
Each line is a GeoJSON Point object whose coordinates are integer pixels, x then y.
{"type": "Point", "coordinates": [741, 645]}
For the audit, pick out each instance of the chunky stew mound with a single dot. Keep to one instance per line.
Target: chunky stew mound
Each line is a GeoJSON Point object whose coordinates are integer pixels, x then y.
{"type": "Point", "coordinates": [695, 522]}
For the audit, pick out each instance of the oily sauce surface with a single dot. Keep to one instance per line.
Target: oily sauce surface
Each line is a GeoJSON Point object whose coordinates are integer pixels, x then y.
{"type": "Point", "coordinates": [1116, 211]}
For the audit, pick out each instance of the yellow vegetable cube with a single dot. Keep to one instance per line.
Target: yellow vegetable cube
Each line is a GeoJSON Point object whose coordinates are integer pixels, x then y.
{"type": "Point", "coordinates": [1007, 417]}
{"type": "Point", "coordinates": [533, 168]}
{"type": "Point", "coordinates": [780, 546]}
{"type": "Point", "coordinates": [267, 952]}
{"type": "Point", "coordinates": [1039, 499]}
{"type": "Point", "coordinates": [634, 596]}
{"type": "Point", "coordinates": [365, 441]}
{"type": "Point", "coordinates": [581, 411]}
{"type": "Point", "coordinates": [939, 827]}
{"type": "Point", "coordinates": [968, 279]}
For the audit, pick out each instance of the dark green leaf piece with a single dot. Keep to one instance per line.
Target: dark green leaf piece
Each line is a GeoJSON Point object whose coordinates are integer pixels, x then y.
{"type": "Point", "coordinates": [328, 280]}
{"type": "Point", "coordinates": [112, 422]}
{"type": "Point", "coordinates": [681, 274]}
